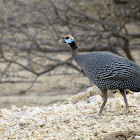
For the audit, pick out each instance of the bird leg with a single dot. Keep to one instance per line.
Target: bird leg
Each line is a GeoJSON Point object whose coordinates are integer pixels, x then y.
{"type": "Point", "coordinates": [127, 92]}
{"type": "Point", "coordinates": [104, 92]}
{"type": "Point", "coordinates": [125, 100]}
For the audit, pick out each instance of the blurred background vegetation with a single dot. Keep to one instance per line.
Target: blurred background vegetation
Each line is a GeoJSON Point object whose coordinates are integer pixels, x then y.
{"type": "Point", "coordinates": [33, 63]}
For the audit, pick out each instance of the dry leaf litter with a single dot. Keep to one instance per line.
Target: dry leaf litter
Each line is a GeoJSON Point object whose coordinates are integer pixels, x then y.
{"type": "Point", "coordinates": [75, 119]}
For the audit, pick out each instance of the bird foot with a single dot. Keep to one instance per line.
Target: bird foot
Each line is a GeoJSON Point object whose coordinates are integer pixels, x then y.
{"type": "Point", "coordinates": [95, 116]}
{"type": "Point", "coordinates": [131, 106]}
{"type": "Point", "coordinates": [124, 112]}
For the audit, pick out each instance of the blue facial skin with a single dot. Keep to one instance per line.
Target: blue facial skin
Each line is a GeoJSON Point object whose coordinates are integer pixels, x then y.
{"type": "Point", "coordinates": [68, 41]}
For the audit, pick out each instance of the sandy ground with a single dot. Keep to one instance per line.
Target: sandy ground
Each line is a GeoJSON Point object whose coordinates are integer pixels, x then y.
{"type": "Point", "coordinates": [74, 119]}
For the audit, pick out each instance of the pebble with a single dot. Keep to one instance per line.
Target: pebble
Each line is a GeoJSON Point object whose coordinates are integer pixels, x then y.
{"type": "Point", "coordinates": [72, 120]}
{"type": "Point", "coordinates": [21, 121]}
{"type": "Point", "coordinates": [137, 138]}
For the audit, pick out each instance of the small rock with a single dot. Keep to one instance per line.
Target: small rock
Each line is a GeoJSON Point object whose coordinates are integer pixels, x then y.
{"type": "Point", "coordinates": [96, 98]}
{"type": "Point", "coordinates": [136, 95]}
{"type": "Point", "coordinates": [137, 138]}
{"type": "Point", "coordinates": [1, 129]}
{"type": "Point", "coordinates": [24, 107]}
{"type": "Point", "coordinates": [21, 121]}
{"type": "Point", "coordinates": [104, 131]}
{"type": "Point", "coordinates": [41, 123]}
{"type": "Point", "coordinates": [14, 108]}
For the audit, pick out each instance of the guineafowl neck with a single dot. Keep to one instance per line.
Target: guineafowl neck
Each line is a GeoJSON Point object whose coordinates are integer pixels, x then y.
{"type": "Point", "coordinates": [73, 45]}
{"type": "Point", "coordinates": [74, 48]}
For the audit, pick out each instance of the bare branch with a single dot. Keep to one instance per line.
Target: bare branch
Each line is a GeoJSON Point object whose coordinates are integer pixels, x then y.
{"type": "Point", "coordinates": [29, 34]}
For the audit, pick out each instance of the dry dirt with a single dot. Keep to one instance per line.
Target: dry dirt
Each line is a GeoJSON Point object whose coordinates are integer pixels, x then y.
{"type": "Point", "coordinates": [74, 119]}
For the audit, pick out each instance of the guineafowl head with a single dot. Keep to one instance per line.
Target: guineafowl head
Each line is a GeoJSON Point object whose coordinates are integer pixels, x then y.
{"type": "Point", "coordinates": [67, 39]}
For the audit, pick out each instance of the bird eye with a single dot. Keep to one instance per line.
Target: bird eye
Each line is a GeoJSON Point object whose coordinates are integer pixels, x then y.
{"type": "Point", "coordinates": [67, 37]}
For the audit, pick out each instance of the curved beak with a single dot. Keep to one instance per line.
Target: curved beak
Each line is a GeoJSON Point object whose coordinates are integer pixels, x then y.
{"type": "Point", "coordinates": [62, 40]}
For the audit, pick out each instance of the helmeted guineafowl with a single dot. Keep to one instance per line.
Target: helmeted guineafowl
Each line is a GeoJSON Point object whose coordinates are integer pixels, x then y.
{"type": "Point", "coordinates": [106, 70]}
